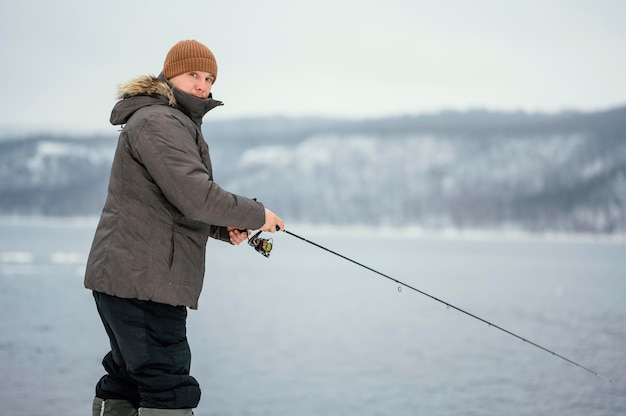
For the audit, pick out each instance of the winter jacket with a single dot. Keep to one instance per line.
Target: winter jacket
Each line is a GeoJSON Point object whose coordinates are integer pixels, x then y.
{"type": "Point", "coordinates": [162, 203]}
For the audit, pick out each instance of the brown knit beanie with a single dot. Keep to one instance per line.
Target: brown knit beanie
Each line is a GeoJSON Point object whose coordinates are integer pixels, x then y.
{"type": "Point", "coordinates": [188, 56]}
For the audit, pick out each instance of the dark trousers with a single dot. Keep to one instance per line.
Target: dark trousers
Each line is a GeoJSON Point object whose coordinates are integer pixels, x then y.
{"type": "Point", "coordinates": [150, 358]}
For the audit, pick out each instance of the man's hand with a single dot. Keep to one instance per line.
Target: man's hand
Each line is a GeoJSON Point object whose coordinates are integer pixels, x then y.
{"type": "Point", "coordinates": [272, 222]}
{"type": "Point", "coordinates": [237, 235]}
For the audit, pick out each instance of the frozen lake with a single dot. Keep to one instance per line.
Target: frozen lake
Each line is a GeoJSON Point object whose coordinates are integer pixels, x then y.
{"type": "Point", "coordinates": [308, 333]}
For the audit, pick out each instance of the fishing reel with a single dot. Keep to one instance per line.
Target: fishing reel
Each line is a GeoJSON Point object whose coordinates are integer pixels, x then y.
{"type": "Point", "coordinates": [261, 245]}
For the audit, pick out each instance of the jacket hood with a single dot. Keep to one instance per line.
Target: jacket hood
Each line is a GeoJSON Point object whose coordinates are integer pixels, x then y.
{"type": "Point", "coordinates": [150, 90]}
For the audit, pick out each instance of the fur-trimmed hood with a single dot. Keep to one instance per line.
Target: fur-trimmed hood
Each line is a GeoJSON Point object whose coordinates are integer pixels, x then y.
{"type": "Point", "coordinates": [150, 90]}
{"type": "Point", "coordinates": [146, 85]}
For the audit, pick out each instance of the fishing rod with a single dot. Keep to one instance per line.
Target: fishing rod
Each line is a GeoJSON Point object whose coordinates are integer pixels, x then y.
{"type": "Point", "coordinates": [264, 246]}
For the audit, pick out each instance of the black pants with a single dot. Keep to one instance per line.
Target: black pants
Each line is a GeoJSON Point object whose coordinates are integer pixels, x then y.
{"type": "Point", "coordinates": [150, 358]}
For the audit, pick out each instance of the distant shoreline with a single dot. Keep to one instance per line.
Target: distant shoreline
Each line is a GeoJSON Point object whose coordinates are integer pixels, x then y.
{"type": "Point", "coordinates": [408, 232]}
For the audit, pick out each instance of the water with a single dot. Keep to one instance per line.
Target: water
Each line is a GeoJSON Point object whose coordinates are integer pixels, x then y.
{"type": "Point", "coordinates": [307, 333]}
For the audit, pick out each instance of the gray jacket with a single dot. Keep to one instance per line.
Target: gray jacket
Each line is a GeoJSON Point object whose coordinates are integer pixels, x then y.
{"type": "Point", "coordinates": [162, 203]}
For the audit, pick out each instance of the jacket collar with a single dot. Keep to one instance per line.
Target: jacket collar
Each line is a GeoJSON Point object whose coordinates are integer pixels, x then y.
{"type": "Point", "coordinates": [146, 89]}
{"type": "Point", "coordinates": [194, 107]}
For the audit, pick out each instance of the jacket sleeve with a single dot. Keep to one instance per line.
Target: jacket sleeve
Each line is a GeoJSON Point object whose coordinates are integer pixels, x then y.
{"type": "Point", "coordinates": [219, 233]}
{"type": "Point", "coordinates": [170, 154]}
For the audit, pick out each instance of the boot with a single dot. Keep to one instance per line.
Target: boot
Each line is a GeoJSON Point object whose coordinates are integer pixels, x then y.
{"type": "Point", "coordinates": [144, 411]}
{"type": "Point", "coordinates": [112, 407]}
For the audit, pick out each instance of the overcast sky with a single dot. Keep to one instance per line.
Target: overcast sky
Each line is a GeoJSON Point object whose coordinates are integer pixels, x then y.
{"type": "Point", "coordinates": [62, 59]}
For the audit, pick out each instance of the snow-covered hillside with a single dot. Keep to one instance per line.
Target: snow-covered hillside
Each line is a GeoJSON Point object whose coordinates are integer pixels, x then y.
{"type": "Point", "coordinates": [563, 172]}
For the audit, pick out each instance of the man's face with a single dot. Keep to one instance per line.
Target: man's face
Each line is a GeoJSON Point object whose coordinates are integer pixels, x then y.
{"type": "Point", "coordinates": [196, 83]}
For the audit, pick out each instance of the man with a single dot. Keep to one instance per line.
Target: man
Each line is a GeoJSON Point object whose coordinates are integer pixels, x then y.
{"type": "Point", "coordinates": [146, 263]}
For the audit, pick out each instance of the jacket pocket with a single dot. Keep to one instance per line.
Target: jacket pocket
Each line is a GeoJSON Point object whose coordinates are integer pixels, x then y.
{"type": "Point", "coordinates": [188, 256]}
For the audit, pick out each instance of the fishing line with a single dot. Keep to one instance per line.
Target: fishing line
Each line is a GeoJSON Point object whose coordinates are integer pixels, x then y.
{"type": "Point", "coordinates": [449, 305]}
